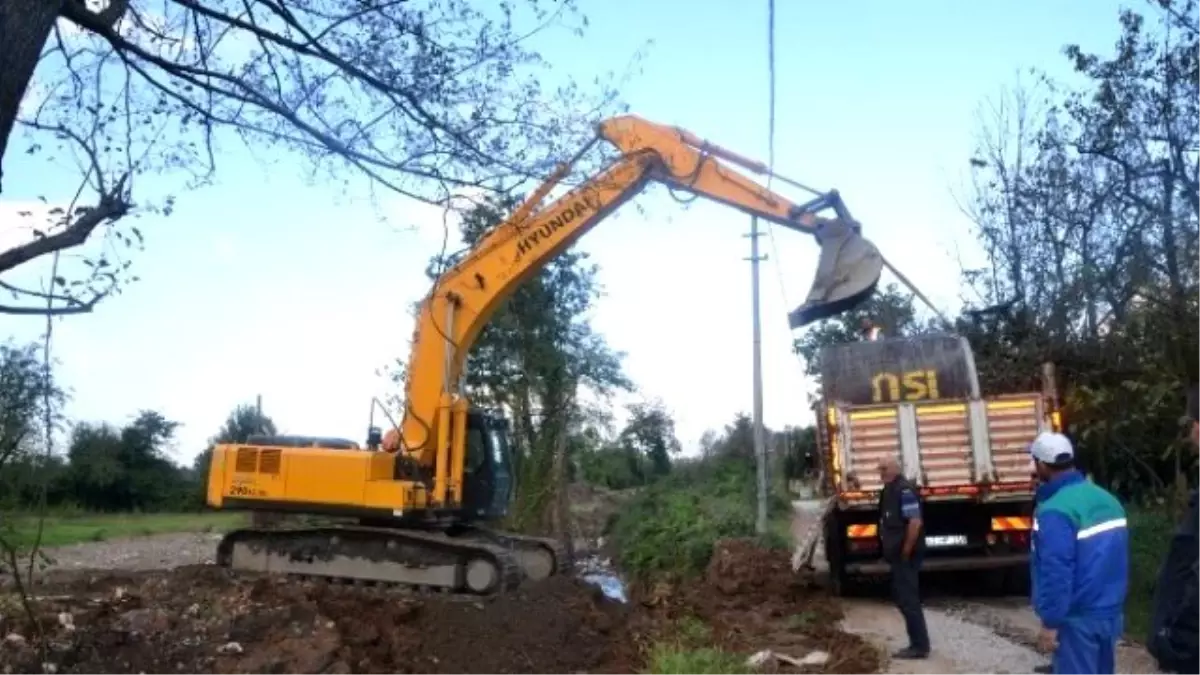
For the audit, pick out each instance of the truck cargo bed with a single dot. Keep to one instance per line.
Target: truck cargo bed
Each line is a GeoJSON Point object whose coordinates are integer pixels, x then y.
{"type": "Point", "coordinates": [964, 448]}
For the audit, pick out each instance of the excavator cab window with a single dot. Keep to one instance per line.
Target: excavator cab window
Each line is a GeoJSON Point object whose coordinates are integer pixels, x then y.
{"type": "Point", "coordinates": [488, 475]}
{"type": "Point", "coordinates": [477, 455]}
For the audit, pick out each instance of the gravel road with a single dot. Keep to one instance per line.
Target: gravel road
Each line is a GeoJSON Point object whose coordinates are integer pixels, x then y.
{"type": "Point", "coordinates": [162, 551]}
{"type": "Point", "coordinates": [969, 634]}
{"type": "Point", "coordinates": [155, 552]}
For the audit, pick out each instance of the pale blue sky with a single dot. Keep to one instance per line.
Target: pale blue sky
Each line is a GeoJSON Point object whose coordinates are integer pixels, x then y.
{"type": "Point", "coordinates": [261, 284]}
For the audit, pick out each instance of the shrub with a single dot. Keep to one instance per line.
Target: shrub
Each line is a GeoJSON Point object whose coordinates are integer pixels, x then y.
{"type": "Point", "coordinates": [669, 529]}
{"type": "Point", "coordinates": [1150, 533]}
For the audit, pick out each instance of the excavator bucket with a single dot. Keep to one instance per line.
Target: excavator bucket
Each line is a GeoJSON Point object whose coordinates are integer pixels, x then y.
{"type": "Point", "coordinates": [847, 273]}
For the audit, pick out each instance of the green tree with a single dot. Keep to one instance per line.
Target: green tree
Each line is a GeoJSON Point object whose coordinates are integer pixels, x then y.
{"type": "Point", "coordinates": [25, 393]}
{"type": "Point", "coordinates": [737, 439]}
{"type": "Point", "coordinates": [29, 400]}
{"type": "Point", "coordinates": [799, 449]}
{"type": "Point", "coordinates": [650, 433]}
{"type": "Point", "coordinates": [1086, 201]}
{"type": "Point", "coordinates": [127, 469]}
{"type": "Point", "coordinates": [614, 466]}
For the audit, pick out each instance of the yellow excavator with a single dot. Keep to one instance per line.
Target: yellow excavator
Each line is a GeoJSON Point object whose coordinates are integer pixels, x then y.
{"type": "Point", "coordinates": [418, 498]}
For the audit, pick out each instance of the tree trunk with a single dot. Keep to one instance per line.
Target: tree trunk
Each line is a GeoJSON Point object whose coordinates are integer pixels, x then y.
{"type": "Point", "coordinates": [25, 26]}
{"type": "Point", "coordinates": [560, 515]}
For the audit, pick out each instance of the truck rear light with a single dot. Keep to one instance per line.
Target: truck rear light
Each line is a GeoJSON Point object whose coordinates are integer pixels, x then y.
{"type": "Point", "coordinates": [1017, 539]}
{"type": "Point", "coordinates": [1012, 524]}
{"type": "Point", "coordinates": [952, 490]}
{"type": "Point", "coordinates": [862, 531]}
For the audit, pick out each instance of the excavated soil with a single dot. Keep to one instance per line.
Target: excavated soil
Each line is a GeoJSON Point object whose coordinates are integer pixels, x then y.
{"type": "Point", "coordinates": [753, 601]}
{"type": "Point", "coordinates": [205, 619]}
{"type": "Point", "coordinates": [202, 618]}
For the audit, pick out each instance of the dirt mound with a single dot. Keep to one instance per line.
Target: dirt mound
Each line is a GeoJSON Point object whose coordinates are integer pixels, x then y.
{"type": "Point", "coordinates": [205, 619]}
{"type": "Point", "coordinates": [752, 600]}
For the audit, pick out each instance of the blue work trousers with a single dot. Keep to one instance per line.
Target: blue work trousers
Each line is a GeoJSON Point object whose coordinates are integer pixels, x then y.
{"type": "Point", "coordinates": [1088, 645]}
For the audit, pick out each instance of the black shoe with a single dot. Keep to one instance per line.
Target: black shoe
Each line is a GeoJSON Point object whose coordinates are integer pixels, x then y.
{"type": "Point", "coordinates": [1045, 670]}
{"type": "Point", "coordinates": [911, 653]}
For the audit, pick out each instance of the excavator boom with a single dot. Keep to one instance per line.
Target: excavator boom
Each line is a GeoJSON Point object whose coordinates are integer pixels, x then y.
{"type": "Point", "coordinates": [446, 466]}
{"type": "Point", "coordinates": [467, 294]}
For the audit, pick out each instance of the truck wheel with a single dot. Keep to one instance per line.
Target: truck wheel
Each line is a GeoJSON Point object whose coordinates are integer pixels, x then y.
{"type": "Point", "coordinates": [841, 584]}
{"type": "Point", "coordinates": [1017, 581]}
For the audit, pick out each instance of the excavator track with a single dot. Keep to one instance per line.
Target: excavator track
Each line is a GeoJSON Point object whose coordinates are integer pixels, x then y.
{"type": "Point", "coordinates": [539, 557]}
{"type": "Point", "coordinates": [429, 560]}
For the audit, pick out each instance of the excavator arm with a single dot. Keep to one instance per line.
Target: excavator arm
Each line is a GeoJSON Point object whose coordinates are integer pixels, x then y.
{"type": "Point", "coordinates": [467, 294]}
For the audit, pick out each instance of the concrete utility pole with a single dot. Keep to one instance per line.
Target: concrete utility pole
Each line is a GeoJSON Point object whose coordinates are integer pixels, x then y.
{"type": "Point", "coordinates": [760, 445]}
{"type": "Point", "coordinates": [258, 418]}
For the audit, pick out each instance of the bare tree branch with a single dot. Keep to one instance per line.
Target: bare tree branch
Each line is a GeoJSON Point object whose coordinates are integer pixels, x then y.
{"type": "Point", "coordinates": [423, 98]}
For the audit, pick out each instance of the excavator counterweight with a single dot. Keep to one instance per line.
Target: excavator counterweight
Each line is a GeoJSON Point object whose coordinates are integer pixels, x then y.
{"type": "Point", "coordinates": [416, 498]}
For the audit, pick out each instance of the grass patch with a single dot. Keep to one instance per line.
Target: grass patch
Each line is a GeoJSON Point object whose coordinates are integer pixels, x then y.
{"type": "Point", "coordinates": [1150, 533]}
{"type": "Point", "coordinates": [669, 528]}
{"type": "Point", "coordinates": [61, 530]}
{"type": "Point", "coordinates": [674, 658]}
{"type": "Point", "coordinates": [687, 652]}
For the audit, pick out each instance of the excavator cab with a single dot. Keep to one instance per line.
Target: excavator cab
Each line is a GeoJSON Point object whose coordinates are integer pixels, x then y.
{"type": "Point", "coordinates": [488, 469]}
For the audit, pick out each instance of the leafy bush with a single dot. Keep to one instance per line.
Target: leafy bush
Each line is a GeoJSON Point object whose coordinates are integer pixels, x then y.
{"type": "Point", "coordinates": [1150, 535]}
{"type": "Point", "coordinates": [615, 467]}
{"type": "Point", "coordinates": [669, 529]}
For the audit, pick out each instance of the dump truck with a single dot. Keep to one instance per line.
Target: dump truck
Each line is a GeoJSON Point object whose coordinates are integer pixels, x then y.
{"type": "Point", "coordinates": [918, 399]}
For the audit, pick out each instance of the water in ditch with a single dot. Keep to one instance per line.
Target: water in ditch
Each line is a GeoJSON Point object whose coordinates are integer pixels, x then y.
{"type": "Point", "coordinates": [598, 570]}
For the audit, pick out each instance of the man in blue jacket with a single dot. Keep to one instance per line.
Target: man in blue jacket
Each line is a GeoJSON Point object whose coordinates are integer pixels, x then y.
{"type": "Point", "coordinates": [1079, 562]}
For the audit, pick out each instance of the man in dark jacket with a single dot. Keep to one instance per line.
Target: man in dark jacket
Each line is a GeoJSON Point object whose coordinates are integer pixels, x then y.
{"type": "Point", "coordinates": [1174, 638]}
{"type": "Point", "coordinates": [902, 535]}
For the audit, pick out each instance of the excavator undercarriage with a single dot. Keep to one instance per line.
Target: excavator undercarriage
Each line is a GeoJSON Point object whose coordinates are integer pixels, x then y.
{"type": "Point", "coordinates": [467, 560]}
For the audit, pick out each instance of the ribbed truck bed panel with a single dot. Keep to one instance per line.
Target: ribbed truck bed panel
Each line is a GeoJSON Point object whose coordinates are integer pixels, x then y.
{"type": "Point", "coordinates": [944, 434]}
{"type": "Point", "coordinates": [875, 435]}
{"type": "Point", "coordinates": [944, 450]}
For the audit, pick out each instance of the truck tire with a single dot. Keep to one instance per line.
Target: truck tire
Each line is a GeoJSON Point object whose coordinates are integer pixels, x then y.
{"type": "Point", "coordinates": [1017, 581]}
{"type": "Point", "coordinates": [1007, 581]}
{"type": "Point", "coordinates": [841, 584]}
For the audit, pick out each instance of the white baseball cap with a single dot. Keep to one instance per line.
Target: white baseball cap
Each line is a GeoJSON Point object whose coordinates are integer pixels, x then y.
{"type": "Point", "coordinates": [1051, 448]}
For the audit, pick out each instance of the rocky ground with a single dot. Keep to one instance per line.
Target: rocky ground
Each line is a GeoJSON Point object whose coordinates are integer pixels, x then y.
{"type": "Point", "coordinates": [207, 619]}
{"type": "Point", "coordinates": [158, 604]}
{"type": "Point", "coordinates": [200, 618]}
{"type": "Point", "coordinates": [754, 603]}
